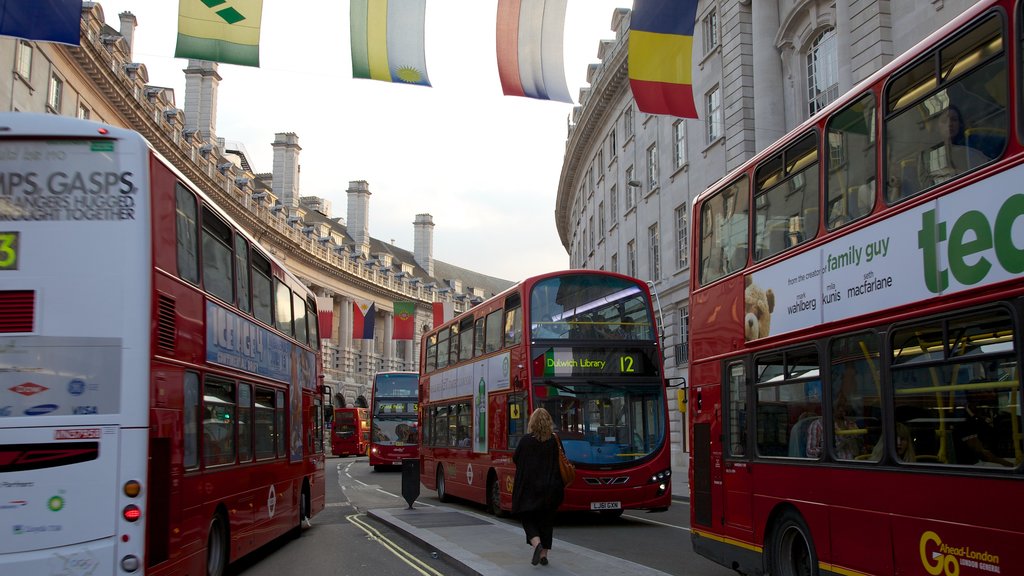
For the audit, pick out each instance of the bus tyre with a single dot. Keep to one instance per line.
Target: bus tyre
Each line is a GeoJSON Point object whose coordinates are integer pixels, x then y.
{"type": "Point", "coordinates": [441, 494]}
{"type": "Point", "coordinates": [217, 546]}
{"type": "Point", "coordinates": [494, 497]}
{"type": "Point", "coordinates": [790, 549]}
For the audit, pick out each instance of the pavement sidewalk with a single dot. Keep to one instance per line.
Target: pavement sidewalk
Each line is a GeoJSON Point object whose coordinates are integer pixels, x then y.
{"type": "Point", "coordinates": [481, 544]}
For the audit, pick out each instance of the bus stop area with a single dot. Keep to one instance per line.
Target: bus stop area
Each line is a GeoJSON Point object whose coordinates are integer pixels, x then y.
{"type": "Point", "coordinates": [482, 544]}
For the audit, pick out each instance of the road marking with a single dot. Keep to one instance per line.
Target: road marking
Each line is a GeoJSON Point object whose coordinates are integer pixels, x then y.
{"type": "Point", "coordinates": [399, 552]}
{"type": "Point", "coordinates": [649, 521]}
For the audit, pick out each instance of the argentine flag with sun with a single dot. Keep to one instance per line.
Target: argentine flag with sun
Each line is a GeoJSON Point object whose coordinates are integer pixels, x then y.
{"type": "Point", "coordinates": [387, 40]}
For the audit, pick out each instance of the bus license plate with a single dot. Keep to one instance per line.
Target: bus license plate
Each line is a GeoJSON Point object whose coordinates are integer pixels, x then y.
{"type": "Point", "coordinates": [606, 505]}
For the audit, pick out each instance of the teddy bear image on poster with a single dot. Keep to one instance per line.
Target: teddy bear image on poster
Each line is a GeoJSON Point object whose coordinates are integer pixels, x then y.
{"type": "Point", "coordinates": [759, 306]}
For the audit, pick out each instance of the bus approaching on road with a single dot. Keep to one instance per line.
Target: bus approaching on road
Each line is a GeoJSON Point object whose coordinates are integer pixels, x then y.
{"type": "Point", "coordinates": [159, 371]}
{"type": "Point", "coordinates": [350, 435]}
{"type": "Point", "coordinates": [583, 344]}
{"type": "Point", "coordinates": [856, 311]}
{"type": "Point", "coordinates": [394, 419]}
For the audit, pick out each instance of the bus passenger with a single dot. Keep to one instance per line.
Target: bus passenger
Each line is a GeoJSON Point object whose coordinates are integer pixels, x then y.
{"type": "Point", "coordinates": [975, 433]}
{"type": "Point", "coordinates": [904, 445]}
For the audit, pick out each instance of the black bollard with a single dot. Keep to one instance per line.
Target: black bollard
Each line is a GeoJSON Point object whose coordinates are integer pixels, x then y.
{"type": "Point", "coordinates": [410, 480]}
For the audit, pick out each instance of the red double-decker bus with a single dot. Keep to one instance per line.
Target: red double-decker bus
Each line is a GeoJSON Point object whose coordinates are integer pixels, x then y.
{"type": "Point", "coordinates": [583, 344]}
{"type": "Point", "coordinates": [855, 396]}
{"type": "Point", "coordinates": [394, 419]}
{"type": "Point", "coordinates": [350, 433]}
{"type": "Point", "coordinates": [160, 385]}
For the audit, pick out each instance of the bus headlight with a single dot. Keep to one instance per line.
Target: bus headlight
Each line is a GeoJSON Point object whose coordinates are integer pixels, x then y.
{"type": "Point", "coordinates": [660, 477]}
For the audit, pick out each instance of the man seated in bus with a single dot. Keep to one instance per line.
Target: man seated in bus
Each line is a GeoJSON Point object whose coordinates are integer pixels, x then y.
{"type": "Point", "coordinates": [975, 433]}
{"type": "Point", "coordinates": [959, 156]}
{"type": "Point", "coordinates": [462, 437]}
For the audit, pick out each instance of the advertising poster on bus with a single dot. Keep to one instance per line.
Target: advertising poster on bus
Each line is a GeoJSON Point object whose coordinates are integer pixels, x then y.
{"type": "Point", "coordinates": [956, 243]}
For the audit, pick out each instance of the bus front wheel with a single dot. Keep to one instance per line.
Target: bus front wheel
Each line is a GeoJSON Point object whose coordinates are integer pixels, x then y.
{"type": "Point", "coordinates": [791, 551]}
{"type": "Point", "coordinates": [441, 494]}
{"type": "Point", "coordinates": [217, 546]}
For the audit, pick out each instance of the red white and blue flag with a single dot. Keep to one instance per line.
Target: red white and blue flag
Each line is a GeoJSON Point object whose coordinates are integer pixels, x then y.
{"type": "Point", "coordinates": [529, 46]}
{"type": "Point", "coordinates": [363, 313]}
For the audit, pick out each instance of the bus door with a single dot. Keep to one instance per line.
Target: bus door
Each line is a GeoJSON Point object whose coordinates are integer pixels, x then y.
{"type": "Point", "coordinates": [737, 478]}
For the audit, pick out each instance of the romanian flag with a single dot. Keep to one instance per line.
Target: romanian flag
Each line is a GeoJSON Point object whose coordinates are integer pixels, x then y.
{"type": "Point", "coordinates": [220, 31]}
{"type": "Point", "coordinates": [660, 56]}
{"type": "Point", "coordinates": [529, 45]}
{"type": "Point", "coordinates": [325, 316]}
{"type": "Point", "coordinates": [405, 321]}
{"type": "Point", "coordinates": [387, 40]}
{"type": "Point", "coordinates": [42, 20]}
{"type": "Point", "coordinates": [443, 312]}
{"type": "Point", "coordinates": [363, 313]}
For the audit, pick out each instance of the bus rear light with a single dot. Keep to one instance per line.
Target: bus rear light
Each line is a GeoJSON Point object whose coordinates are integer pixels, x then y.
{"type": "Point", "coordinates": [131, 513]}
{"type": "Point", "coordinates": [132, 488]}
{"type": "Point", "coordinates": [130, 563]}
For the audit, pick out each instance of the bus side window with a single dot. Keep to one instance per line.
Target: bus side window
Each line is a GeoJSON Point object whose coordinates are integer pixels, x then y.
{"type": "Point", "coordinates": [513, 321]}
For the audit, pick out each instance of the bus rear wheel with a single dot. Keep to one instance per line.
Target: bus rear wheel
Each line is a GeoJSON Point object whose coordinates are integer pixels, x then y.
{"type": "Point", "coordinates": [494, 497]}
{"type": "Point", "coordinates": [441, 494]}
{"type": "Point", "coordinates": [217, 546]}
{"type": "Point", "coordinates": [790, 551]}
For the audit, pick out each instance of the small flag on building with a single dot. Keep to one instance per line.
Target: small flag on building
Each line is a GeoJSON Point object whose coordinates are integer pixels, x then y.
{"type": "Point", "coordinates": [387, 40]}
{"type": "Point", "coordinates": [42, 20]}
{"type": "Point", "coordinates": [220, 31]}
{"type": "Point", "coordinates": [405, 321]}
{"type": "Point", "coordinates": [363, 313]}
{"type": "Point", "coordinates": [529, 45]}
{"type": "Point", "coordinates": [443, 312]}
{"type": "Point", "coordinates": [325, 316]}
{"type": "Point", "coordinates": [660, 56]}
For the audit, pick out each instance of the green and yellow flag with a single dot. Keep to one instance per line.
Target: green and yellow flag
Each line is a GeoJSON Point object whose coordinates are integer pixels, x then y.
{"type": "Point", "coordinates": [225, 31]}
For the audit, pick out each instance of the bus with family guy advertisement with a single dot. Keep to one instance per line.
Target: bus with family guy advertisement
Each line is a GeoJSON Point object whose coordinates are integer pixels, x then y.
{"type": "Point", "coordinates": [159, 370]}
{"type": "Point", "coordinates": [582, 344]}
{"type": "Point", "coordinates": [394, 419]}
{"type": "Point", "coordinates": [855, 396]}
{"type": "Point", "coordinates": [350, 432]}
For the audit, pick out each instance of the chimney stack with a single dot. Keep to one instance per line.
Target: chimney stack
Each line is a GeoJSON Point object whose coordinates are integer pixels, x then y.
{"type": "Point", "coordinates": [201, 81]}
{"type": "Point", "coordinates": [128, 24]}
{"type": "Point", "coordinates": [359, 214]}
{"type": "Point", "coordinates": [285, 184]}
{"type": "Point", "coordinates": [423, 242]}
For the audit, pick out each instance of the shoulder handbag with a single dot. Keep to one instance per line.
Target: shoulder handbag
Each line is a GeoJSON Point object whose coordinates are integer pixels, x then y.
{"type": "Point", "coordinates": [565, 467]}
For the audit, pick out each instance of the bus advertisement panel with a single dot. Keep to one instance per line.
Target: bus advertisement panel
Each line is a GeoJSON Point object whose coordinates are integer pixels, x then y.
{"type": "Point", "coordinates": [394, 419]}
{"type": "Point", "coordinates": [145, 391]}
{"type": "Point", "coordinates": [859, 364]}
{"type": "Point", "coordinates": [581, 344]}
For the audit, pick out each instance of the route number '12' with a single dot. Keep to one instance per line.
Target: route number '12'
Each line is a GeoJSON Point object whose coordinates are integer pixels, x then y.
{"type": "Point", "coordinates": [8, 250]}
{"type": "Point", "coordinates": [626, 364]}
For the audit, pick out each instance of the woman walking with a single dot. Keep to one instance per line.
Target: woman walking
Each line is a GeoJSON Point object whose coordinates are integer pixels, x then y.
{"type": "Point", "coordinates": [538, 488]}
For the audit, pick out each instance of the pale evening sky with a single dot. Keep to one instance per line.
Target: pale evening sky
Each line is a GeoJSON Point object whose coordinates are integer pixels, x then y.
{"type": "Point", "coordinates": [485, 165]}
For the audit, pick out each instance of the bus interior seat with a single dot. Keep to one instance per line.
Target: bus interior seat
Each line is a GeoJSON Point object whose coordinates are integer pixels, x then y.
{"type": "Point", "coordinates": [798, 436]}
{"type": "Point", "coordinates": [990, 141]}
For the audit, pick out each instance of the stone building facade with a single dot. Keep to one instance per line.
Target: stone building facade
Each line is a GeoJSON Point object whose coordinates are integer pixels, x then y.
{"type": "Point", "coordinates": [760, 68]}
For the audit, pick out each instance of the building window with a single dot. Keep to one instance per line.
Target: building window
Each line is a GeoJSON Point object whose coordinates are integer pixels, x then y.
{"type": "Point", "coordinates": [24, 60]}
{"type": "Point", "coordinates": [615, 263]}
{"type": "Point", "coordinates": [678, 144]}
{"type": "Point", "coordinates": [56, 95]}
{"type": "Point", "coordinates": [654, 252]}
{"type": "Point", "coordinates": [710, 32]}
{"type": "Point", "coordinates": [591, 226]}
{"type": "Point", "coordinates": [627, 120]}
{"type": "Point", "coordinates": [600, 162]}
{"type": "Point", "coordinates": [822, 72]}
{"type": "Point", "coordinates": [682, 238]}
{"type": "Point", "coordinates": [629, 189]}
{"type": "Point", "coordinates": [631, 258]}
{"type": "Point", "coordinates": [613, 203]}
{"type": "Point", "coordinates": [600, 219]}
{"type": "Point", "coordinates": [612, 144]}
{"type": "Point", "coordinates": [652, 167]}
{"type": "Point", "coordinates": [713, 114]}
{"type": "Point", "coordinates": [83, 112]}
{"type": "Point", "coordinates": [683, 344]}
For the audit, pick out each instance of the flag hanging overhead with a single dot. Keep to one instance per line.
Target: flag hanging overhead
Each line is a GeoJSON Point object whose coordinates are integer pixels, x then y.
{"type": "Point", "coordinates": [363, 313]}
{"type": "Point", "coordinates": [219, 31]}
{"type": "Point", "coordinates": [660, 56]}
{"type": "Point", "coordinates": [325, 316]}
{"type": "Point", "coordinates": [405, 321]}
{"type": "Point", "coordinates": [529, 46]}
{"type": "Point", "coordinates": [443, 312]}
{"type": "Point", "coordinates": [42, 20]}
{"type": "Point", "coordinates": [387, 40]}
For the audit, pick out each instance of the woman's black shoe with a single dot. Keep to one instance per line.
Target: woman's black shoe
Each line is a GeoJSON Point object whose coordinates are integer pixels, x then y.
{"type": "Point", "coordinates": [536, 555]}
{"type": "Point", "coordinates": [544, 561]}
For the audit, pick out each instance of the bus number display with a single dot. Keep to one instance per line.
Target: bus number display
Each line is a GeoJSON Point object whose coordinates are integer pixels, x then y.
{"type": "Point", "coordinates": [9, 250]}
{"type": "Point", "coordinates": [595, 362]}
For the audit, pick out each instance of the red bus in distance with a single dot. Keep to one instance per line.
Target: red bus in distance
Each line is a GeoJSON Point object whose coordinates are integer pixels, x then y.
{"type": "Point", "coordinates": [350, 435]}
{"type": "Point", "coordinates": [855, 319]}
